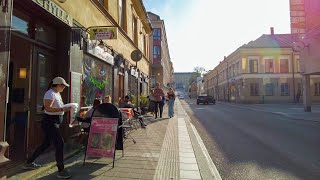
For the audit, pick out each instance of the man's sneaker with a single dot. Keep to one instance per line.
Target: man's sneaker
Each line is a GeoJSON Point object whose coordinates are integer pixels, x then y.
{"type": "Point", "coordinates": [31, 166]}
{"type": "Point", "coordinates": [64, 174]}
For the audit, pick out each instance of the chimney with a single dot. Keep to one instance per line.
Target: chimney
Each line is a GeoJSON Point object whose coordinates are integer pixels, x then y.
{"type": "Point", "coordinates": [272, 31]}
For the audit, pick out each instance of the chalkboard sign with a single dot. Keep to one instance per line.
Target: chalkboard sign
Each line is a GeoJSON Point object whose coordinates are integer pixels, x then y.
{"type": "Point", "coordinates": [75, 92]}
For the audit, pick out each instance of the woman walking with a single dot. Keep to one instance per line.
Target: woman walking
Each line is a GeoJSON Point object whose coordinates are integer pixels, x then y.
{"type": "Point", "coordinates": [171, 98]}
{"type": "Point", "coordinates": [53, 117]}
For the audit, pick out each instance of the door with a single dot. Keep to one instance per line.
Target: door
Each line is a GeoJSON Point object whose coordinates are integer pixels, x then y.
{"type": "Point", "coordinates": [18, 109]}
{"type": "Point", "coordinates": [44, 70]}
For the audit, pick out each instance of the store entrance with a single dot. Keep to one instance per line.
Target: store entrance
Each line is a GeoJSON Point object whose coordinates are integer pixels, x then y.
{"type": "Point", "coordinates": [18, 109]}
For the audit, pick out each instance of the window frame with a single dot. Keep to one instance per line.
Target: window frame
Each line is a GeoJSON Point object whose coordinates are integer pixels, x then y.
{"type": "Point", "coordinates": [266, 92]}
{"type": "Point", "coordinates": [283, 87]}
{"type": "Point", "coordinates": [254, 89]}
{"type": "Point", "coordinates": [287, 69]}
{"type": "Point", "coordinates": [254, 66]}
{"type": "Point", "coordinates": [267, 63]}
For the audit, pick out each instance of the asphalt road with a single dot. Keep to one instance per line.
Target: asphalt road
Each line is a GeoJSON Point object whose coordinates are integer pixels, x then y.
{"type": "Point", "coordinates": [247, 144]}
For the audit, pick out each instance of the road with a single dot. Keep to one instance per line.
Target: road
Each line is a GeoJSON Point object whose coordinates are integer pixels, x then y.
{"type": "Point", "coordinates": [248, 144]}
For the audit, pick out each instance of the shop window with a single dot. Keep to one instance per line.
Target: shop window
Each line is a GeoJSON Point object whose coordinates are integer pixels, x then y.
{"type": "Point", "coordinates": [284, 65]}
{"type": "Point", "coordinates": [269, 89]}
{"type": "Point", "coordinates": [253, 66]}
{"type": "Point", "coordinates": [254, 89]}
{"type": "Point", "coordinates": [285, 89]}
{"type": "Point", "coordinates": [97, 79]}
{"type": "Point", "coordinates": [269, 66]}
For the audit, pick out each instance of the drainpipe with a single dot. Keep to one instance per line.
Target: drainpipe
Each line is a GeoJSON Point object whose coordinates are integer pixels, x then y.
{"type": "Point", "coordinates": [293, 80]}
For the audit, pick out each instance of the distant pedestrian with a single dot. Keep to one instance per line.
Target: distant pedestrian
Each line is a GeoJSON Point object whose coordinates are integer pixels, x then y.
{"type": "Point", "coordinates": [171, 98]}
{"type": "Point", "coordinates": [107, 99]}
{"type": "Point", "coordinates": [157, 94]}
{"type": "Point", "coordinates": [151, 102]}
{"type": "Point", "coordinates": [298, 96]}
{"type": "Point", "coordinates": [53, 117]}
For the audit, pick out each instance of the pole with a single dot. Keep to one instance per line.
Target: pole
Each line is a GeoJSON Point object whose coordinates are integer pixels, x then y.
{"type": "Point", "coordinates": [293, 80]}
{"type": "Point", "coordinates": [137, 97]}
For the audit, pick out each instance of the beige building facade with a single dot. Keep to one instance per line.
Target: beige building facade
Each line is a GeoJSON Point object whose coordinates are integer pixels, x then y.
{"type": "Point", "coordinates": [45, 39]}
{"type": "Point", "coordinates": [266, 70]}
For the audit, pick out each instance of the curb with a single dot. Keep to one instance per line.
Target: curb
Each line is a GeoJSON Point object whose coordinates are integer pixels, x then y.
{"type": "Point", "coordinates": [49, 166]}
{"type": "Point", "coordinates": [211, 166]}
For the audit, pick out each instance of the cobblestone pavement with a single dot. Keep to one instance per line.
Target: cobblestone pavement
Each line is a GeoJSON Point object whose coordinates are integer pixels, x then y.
{"type": "Point", "coordinates": [165, 149]}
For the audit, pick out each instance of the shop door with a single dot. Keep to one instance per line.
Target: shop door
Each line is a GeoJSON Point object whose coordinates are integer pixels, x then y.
{"type": "Point", "coordinates": [44, 70]}
{"type": "Point", "coordinates": [18, 109]}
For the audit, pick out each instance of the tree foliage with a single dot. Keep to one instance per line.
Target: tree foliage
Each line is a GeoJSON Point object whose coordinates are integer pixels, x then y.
{"type": "Point", "coordinates": [197, 72]}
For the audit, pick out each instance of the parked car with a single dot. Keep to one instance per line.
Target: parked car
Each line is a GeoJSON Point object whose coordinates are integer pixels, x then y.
{"type": "Point", "coordinates": [204, 99]}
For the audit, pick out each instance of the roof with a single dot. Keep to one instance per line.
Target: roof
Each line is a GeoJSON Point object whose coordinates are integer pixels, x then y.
{"type": "Point", "coordinates": [271, 41]}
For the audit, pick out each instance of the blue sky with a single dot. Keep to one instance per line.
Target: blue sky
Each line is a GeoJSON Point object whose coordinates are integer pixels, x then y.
{"type": "Point", "coordinates": [202, 32]}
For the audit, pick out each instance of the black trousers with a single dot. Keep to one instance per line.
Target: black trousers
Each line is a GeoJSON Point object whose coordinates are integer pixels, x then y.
{"type": "Point", "coordinates": [158, 105]}
{"type": "Point", "coordinates": [52, 135]}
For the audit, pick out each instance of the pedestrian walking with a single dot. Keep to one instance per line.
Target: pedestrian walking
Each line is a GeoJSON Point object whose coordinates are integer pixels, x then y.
{"type": "Point", "coordinates": [53, 117]}
{"type": "Point", "coordinates": [171, 98]}
{"type": "Point", "coordinates": [151, 102]}
{"type": "Point", "coordinates": [107, 99]}
{"type": "Point", "coordinates": [157, 94]}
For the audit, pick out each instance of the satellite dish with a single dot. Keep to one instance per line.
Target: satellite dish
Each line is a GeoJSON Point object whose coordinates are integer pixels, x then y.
{"type": "Point", "coordinates": [136, 55]}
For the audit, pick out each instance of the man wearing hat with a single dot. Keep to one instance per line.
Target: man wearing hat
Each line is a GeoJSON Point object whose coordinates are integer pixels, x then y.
{"type": "Point", "coordinates": [53, 117]}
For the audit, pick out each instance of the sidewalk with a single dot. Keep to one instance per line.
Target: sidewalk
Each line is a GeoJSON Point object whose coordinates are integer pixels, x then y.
{"type": "Point", "coordinates": [165, 149]}
{"type": "Point", "coordinates": [293, 111]}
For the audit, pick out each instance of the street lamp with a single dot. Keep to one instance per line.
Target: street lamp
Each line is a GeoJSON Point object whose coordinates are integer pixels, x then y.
{"type": "Point", "coordinates": [136, 56]}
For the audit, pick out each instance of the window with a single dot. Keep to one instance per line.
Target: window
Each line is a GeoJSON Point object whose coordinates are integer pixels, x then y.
{"type": "Point", "coordinates": [253, 66]}
{"type": "Point", "coordinates": [284, 65]}
{"type": "Point", "coordinates": [285, 89]}
{"type": "Point", "coordinates": [269, 65]}
{"type": "Point", "coordinates": [317, 89]}
{"type": "Point", "coordinates": [238, 68]}
{"type": "Point", "coordinates": [122, 14]}
{"type": "Point", "coordinates": [156, 34]}
{"type": "Point", "coordinates": [135, 29]}
{"type": "Point", "coordinates": [145, 45]}
{"type": "Point", "coordinates": [156, 52]}
{"type": "Point", "coordinates": [298, 65]}
{"type": "Point", "coordinates": [269, 89]}
{"type": "Point", "coordinates": [254, 89]}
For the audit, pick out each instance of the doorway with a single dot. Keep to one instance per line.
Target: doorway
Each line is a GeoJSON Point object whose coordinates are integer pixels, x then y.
{"type": "Point", "coordinates": [18, 109]}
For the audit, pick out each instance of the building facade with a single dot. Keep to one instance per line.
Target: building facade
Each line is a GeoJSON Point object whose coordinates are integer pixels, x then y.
{"type": "Point", "coordinates": [266, 70]}
{"type": "Point", "coordinates": [305, 26]}
{"type": "Point", "coordinates": [161, 67]}
{"type": "Point", "coordinates": [43, 39]}
{"type": "Point", "coordinates": [181, 81]}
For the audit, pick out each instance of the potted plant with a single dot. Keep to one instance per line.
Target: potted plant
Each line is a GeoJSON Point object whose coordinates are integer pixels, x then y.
{"type": "Point", "coordinates": [144, 104]}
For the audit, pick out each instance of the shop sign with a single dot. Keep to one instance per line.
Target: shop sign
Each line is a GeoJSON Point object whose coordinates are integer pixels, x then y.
{"type": "Point", "coordinates": [99, 52]}
{"type": "Point", "coordinates": [102, 137]}
{"type": "Point", "coordinates": [134, 73]}
{"type": "Point", "coordinates": [55, 10]}
{"type": "Point", "coordinates": [103, 33]}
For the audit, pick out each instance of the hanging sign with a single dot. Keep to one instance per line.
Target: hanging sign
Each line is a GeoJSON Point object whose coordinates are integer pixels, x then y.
{"type": "Point", "coordinates": [103, 33]}
{"type": "Point", "coordinates": [102, 137]}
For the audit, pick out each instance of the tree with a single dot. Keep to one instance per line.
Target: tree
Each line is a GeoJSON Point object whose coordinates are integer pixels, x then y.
{"type": "Point", "coordinates": [197, 72]}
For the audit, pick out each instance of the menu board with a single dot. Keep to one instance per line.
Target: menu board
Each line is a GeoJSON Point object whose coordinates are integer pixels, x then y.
{"type": "Point", "coordinates": [102, 137]}
{"type": "Point", "coordinates": [75, 93]}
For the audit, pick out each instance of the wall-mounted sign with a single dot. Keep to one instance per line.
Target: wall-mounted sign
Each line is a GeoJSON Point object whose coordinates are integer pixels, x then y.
{"type": "Point", "coordinates": [103, 33]}
{"type": "Point", "coordinates": [95, 50]}
{"type": "Point", "coordinates": [55, 10]}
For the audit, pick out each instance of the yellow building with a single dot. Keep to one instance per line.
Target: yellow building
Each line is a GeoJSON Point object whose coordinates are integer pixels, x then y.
{"type": "Point", "coordinates": [266, 70]}
{"type": "Point", "coordinates": [42, 39]}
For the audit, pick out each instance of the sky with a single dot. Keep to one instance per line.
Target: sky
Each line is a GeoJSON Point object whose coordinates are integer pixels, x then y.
{"type": "Point", "coordinates": [201, 32]}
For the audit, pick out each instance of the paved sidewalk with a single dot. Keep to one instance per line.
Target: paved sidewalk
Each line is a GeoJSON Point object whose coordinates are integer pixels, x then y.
{"type": "Point", "coordinates": [293, 111]}
{"type": "Point", "coordinates": [165, 149]}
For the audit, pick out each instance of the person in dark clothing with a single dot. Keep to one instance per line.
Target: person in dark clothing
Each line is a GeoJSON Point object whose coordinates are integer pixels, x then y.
{"type": "Point", "coordinates": [126, 103]}
{"type": "Point", "coordinates": [158, 94]}
{"type": "Point", "coordinates": [53, 117]}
